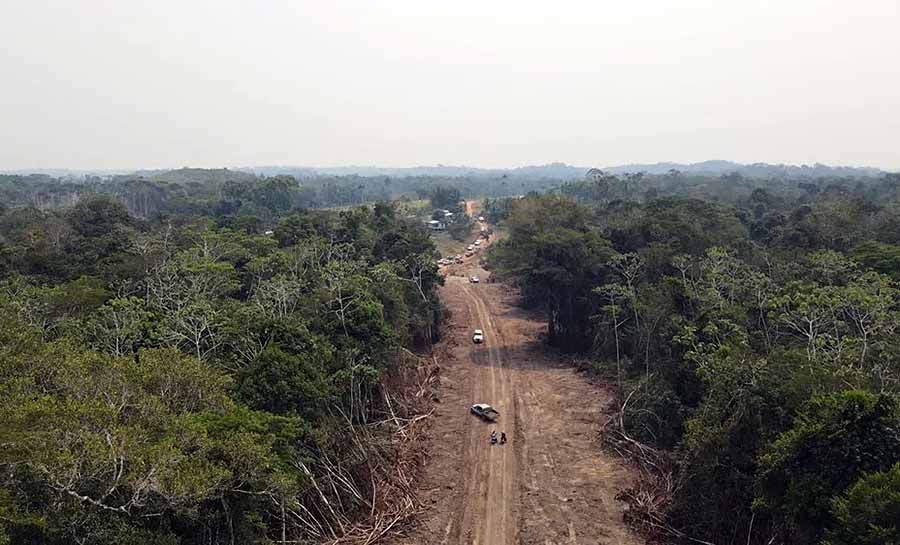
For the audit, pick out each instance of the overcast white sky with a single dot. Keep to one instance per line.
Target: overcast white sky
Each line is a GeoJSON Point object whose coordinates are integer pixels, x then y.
{"type": "Point", "coordinates": [120, 84]}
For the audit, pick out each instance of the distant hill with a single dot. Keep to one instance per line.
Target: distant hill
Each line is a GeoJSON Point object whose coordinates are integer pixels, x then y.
{"type": "Point", "coordinates": [755, 170]}
{"type": "Point", "coordinates": [553, 171]}
{"type": "Point", "coordinates": [562, 171]}
{"type": "Point", "coordinates": [198, 175]}
{"type": "Point", "coordinates": [65, 172]}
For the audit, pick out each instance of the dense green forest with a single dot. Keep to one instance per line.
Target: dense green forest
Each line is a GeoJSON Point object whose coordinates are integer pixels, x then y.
{"type": "Point", "coordinates": [750, 326]}
{"type": "Point", "coordinates": [207, 356]}
{"type": "Point", "coordinates": [188, 378]}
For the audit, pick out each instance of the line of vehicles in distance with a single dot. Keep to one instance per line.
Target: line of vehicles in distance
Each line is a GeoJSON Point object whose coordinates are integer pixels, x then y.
{"type": "Point", "coordinates": [471, 250]}
{"type": "Point", "coordinates": [482, 410]}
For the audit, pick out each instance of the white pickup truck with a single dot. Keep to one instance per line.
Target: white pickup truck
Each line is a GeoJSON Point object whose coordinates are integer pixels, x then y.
{"type": "Point", "coordinates": [485, 412]}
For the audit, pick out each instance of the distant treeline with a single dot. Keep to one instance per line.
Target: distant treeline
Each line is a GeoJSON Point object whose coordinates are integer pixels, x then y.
{"type": "Point", "coordinates": [224, 192]}
{"type": "Point", "coordinates": [232, 192]}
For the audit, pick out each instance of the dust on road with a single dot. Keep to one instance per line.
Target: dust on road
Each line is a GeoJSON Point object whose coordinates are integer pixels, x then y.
{"type": "Point", "coordinates": [551, 484]}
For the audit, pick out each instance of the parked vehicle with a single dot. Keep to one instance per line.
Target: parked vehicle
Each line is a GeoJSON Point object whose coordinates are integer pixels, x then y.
{"type": "Point", "coordinates": [478, 336]}
{"type": "Point", "coordinates": [474, 279]}
{"type": "Point", "coordinates": [484, 411]}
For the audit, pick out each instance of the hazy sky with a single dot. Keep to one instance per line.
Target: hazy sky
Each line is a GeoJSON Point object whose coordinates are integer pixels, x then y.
{"type": "Point", "coordinates": [159, 83]}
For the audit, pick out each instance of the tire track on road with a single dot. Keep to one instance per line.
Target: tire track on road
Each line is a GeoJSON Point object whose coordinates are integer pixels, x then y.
{"type": "Point", "coordinates": [498, 467]}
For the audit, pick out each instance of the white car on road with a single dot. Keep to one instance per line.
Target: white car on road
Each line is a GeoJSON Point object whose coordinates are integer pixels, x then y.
{"type": "Point", "coordinates": [478, 336]}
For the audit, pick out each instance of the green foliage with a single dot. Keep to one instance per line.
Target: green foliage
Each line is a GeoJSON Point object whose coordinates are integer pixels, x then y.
{"type": "Point", "coordinates": [879, 256]}
{"type": "Point", "coordinates": [119, 327]}
{"type": "Point", "coordinates": [98, 217]}
{"type": "Point", "coordinates": [123, 436]}
{"type": "Point", "coordinates": [460, 226]}
{"type": "Point", "coordinates": [655, 414]}
{"type": "Point", "coordinates": [497, 210]}
{"type": "Point", "coordinates": [300, 227]}
{"type": "Point", "coordinates": [100, 225]}
{"type": "Point", "coordinates": [868, 513]}
{"type": "Point", "coordinates": [445, 197]}
{"type": "Point", "coordinates": [556, 260]}
{"type": "Point", "coordinates": [287, 383]}
{"type": "Point", "coordinates": [834, 440]}
{"type": "Point", "coordinates": [686, 226]}
{"type": "Point", "coordinates": [742, 403]}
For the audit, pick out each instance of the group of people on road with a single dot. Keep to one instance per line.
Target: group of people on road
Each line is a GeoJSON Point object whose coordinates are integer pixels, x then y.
{"type": "Point", "coordinates": [494, 437]}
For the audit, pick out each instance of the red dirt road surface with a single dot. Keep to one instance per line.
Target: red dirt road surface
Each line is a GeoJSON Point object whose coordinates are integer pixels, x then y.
{"type": "Point", "coordinates": [551, 483]}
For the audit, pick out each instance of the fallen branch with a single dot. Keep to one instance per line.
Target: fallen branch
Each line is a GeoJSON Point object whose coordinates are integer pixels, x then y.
{"type": "Point", "coordinates": [651, 495]}
{"type": "Point", "coordinates": [392, 448]}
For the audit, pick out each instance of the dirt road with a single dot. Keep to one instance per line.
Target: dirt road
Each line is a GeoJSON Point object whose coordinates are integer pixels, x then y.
{"type": "Point", "coordinates": [551, 484]}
